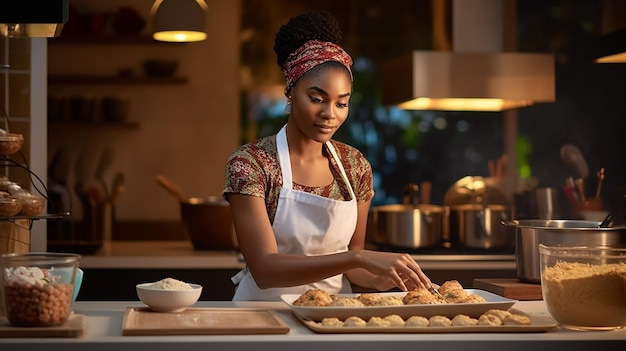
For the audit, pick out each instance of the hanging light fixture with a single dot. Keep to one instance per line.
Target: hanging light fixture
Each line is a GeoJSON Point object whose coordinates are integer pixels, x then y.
{"type": "Point", "coordinates": [179, 20]}
{"type": "Point", "coordinates": [475, 75]}
{"type": "Point", "coordinates": [33, 18]}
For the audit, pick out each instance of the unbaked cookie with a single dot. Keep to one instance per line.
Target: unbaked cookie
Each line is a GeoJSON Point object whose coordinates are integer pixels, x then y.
{"type": "Point", "coordinates": [516, 319]}
{"type": "Point", "coordinates": [501, 314]}
{"type": "Point", "coordinates": [489, 319]}
{"type": "Point", "coordinates": [332, 322]}
{"type": "Point", "coordinates": [395, 320]}
{"type": "Point", "coordinates": [354, 321]}
{"type": "Point", "coordinates": [462, 320]}
{"type": "Point", "coordinates": [416, 321]}
{"type": "Point", "coordinates": [378, 322]}
{"type": "Point", "coordinates": [439, 321]}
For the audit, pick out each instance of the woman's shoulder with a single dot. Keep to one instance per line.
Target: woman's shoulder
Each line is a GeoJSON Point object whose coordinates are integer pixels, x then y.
{"type": "Point", "coordinates": [349, 152]}
{"type": "Point", "coordinates": [259, 149]}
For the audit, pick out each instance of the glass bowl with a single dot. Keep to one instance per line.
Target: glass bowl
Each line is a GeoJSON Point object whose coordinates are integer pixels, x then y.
{"type": "Point", "coordinates": [32, 205]}
{"type": "Point", "coordinates": [10, 143]}
{"type": "Point", "coordinates": [10, 206]}
{"type": "Point", "coordinates": [37, 287]}
{"type": "Point", "coordinates": [584, 287]}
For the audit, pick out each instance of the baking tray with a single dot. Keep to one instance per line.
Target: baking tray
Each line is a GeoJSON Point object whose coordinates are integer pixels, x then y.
{"type": "Point", "coordinates": [72, 328]}
{"type": "Point", "coordinates": [202, 321]}
{"type": "Point", "coordinates": [405, 311]}
{"type": "Point", "coordinates": [537, 324]}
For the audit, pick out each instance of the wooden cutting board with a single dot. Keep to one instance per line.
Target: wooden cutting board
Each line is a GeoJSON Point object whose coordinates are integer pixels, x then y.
{"type": "Point", "coordinates": [510, 288]}
{"type": "Point", "coordinates": [73, 327]}
{"type": "Point", "coordinates": [202, 321]}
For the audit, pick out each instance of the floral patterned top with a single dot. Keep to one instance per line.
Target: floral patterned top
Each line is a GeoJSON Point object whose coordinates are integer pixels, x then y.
{"type": "Point", "coordinates": [254, 169]}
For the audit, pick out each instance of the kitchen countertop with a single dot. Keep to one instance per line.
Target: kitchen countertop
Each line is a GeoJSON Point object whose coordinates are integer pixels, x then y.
{"type": "Point", "coordinates": [104, 332]}
{"type": "Point", "coordinates": [180, 254]}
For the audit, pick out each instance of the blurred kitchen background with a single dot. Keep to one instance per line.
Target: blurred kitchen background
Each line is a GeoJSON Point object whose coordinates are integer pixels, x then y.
{"type": "Point", "coordinates": [107, 124]}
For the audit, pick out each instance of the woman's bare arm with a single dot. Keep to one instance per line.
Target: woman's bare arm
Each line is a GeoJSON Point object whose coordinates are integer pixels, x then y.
{"type": "Point", "coordinates": [272, 269]}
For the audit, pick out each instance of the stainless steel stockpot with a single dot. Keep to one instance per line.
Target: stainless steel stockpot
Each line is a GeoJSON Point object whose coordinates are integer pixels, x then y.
{"type": "Point", "coordinates": [532, 232]}
{"type": "Point", "coordinates": [479, 226]}
{"type": "Point", "coordinates": [409, 226]}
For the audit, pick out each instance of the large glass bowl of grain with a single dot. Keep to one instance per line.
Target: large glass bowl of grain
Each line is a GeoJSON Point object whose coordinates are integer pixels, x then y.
{"type": "Point", "coordinates": [37, 287]}
{"type": "Point", "coordinates": [584, 288]}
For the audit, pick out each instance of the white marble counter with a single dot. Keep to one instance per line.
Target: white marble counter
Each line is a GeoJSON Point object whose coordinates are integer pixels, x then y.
{"type": "Point", "coordinates": [104, 332]}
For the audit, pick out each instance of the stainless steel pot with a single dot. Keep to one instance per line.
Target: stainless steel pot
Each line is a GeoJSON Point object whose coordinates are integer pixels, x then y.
{"type": "Point", "coordinates": [209, 223]}
{"type": "Point", "coordinates": [409, 226]}
{"type": "Point", "coordinates": [532, 232]}
{"type": "Point", "coordinates": [480, 227]}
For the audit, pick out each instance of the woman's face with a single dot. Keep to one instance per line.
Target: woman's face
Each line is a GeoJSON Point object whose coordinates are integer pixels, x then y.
{"type": "Point", "coordinates": [319, 102]}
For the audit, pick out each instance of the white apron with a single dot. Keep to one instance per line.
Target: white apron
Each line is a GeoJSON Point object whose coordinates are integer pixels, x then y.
{"type": "Point", "coordinates": [305, 224]}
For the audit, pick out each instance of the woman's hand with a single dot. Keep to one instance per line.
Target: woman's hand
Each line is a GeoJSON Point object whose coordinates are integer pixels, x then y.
{"type": "Point", "coordinates": [399, 269]}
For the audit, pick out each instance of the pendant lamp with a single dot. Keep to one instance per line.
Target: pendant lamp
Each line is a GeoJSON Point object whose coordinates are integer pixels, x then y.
{"type": "Point", "coordinates": [179, 20]}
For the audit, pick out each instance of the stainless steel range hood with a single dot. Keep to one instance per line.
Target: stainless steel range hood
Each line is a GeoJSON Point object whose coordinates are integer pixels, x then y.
{"type": "Point", "coordinates": [476, 75]}
{"type": "Point", "coordinates": [32, 18]}
{"type": "Point", "coordinates": [468, 81]}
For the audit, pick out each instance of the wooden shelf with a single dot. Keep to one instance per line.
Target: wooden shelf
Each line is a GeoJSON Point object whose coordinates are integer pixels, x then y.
{"type": "Point", "coordinates": [106, 40]}
{"type": "Point", "coordinates": [100, 79]}
{"type": "Point", "coordinates": [94, 124]}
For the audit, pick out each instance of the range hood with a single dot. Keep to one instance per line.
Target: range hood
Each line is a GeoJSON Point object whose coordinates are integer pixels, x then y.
{"type": "Point", "coordinates": [476, 75]}
{"type": "Point", "coordinates": [32, 18]}
{"type": "Point", "coordinates": [611, 47]}
{"type": "Point", "coordinates": [468, 81]}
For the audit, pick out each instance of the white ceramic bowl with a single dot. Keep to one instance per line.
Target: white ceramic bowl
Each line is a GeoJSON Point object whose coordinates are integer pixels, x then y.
{"type": "Point", "coordinates": [168, 300]}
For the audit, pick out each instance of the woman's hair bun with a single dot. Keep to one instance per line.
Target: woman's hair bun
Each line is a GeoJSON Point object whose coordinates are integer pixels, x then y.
{"type": "Point", "coordinates": [320, 26]}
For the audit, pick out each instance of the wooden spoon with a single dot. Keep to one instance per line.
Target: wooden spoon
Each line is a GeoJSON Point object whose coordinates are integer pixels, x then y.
{"type": "Point", "coordinates": [170, 186]}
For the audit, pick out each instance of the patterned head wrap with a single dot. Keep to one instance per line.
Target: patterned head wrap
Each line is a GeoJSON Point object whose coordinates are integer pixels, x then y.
{"type": "Point", "coordinates": [309, 55]}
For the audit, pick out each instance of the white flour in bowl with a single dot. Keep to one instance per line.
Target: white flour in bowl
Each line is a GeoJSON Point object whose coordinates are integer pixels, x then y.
{"type": "Point", "coordinates": [585, 295]}
{"type": "Point", "coordinates": [170, 284]}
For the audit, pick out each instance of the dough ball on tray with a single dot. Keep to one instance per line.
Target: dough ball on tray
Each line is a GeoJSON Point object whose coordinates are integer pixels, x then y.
{"type": "Point", "coordinates": [332, 322]}
{"type": "Point", "coordinates": [354, 321]}
{"type": "Point", "coordinates": [489, 319]}
{"type": "Point", "coordinates": [462, 320]}
{"type": "Point", "coordinates": [416, 321]}
{"type": "Point", "coordinates": [516, 319]}
{"type": "Point", "coordinates": [395, 320]}
{"type": "Point", "coordinates": [378, 322]}
{"type": "Point", "coordinates": [439, 321]}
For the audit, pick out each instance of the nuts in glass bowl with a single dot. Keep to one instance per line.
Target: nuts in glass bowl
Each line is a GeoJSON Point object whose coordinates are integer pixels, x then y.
{"type": "Point", "coordinates": [38, 287]}
{"type": "Point", "coordinates": [10, 143]}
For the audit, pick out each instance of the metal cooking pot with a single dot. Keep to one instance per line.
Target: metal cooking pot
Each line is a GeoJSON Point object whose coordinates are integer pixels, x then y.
{"type": "Point", "coordinates": [209, 223]}
{"type": "Point", "coordinates": [480, 227]}
{"type": "Point", "coordinates": [532, 232]}
{"type": "Point", "coordinates": [409, 226]}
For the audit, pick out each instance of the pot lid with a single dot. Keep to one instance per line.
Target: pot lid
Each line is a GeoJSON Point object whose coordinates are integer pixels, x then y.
{"type": "Point", "coordinates": [476, 190]}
